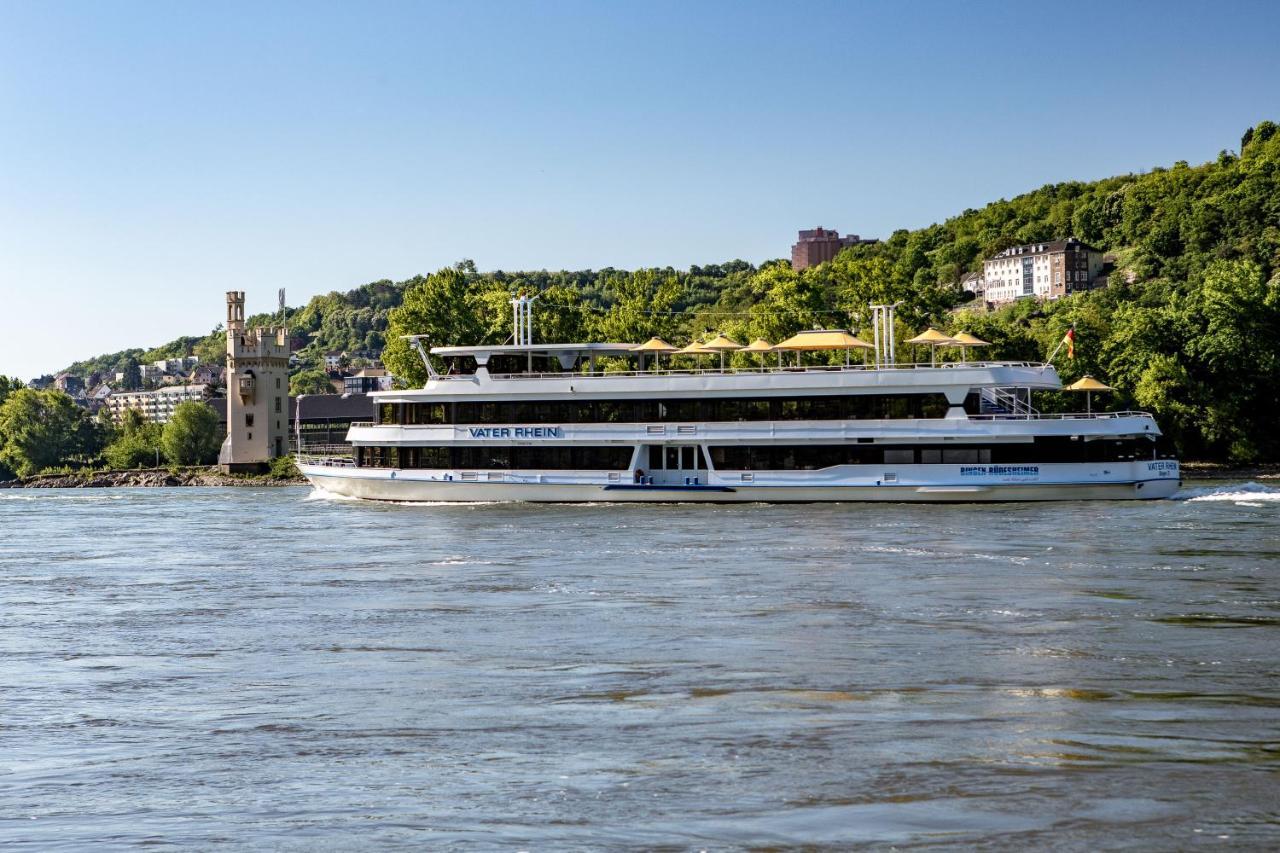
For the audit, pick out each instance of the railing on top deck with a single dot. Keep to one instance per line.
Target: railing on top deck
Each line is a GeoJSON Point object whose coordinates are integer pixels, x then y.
{"type": "Point", "coordinates": [748, 371]}
{"type": "Point", "coordinates": [1045, 416]}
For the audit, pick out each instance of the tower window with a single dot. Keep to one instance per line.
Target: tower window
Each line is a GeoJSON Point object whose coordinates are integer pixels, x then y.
{"type": "Point", "coordinates": [277, 405]}
{"type": "Point", "coordinates": [248, 419]}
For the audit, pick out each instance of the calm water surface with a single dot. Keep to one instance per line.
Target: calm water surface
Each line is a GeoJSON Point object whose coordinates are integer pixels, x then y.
{"type": "Point", "coordinates": [249, 669]}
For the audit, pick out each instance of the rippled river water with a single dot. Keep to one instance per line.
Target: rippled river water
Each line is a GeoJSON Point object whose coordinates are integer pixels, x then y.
{"type": "Point", "coordinates": [254, 669]}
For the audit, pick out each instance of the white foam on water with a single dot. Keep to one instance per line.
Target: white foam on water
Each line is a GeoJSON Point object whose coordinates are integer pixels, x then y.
{"type": "Point", "coordinates": [60, 495]}
{"type": "Point", "coordinates": [1252, 494]}
{"type": "Point", "coordinates": [319, 494]}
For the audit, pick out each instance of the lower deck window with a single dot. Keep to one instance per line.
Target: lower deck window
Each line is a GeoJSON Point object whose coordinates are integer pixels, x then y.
{"type": "Point", "coordinates": [807, 457]}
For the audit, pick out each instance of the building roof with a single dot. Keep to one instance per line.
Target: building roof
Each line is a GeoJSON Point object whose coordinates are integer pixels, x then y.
{"type": "Point", "coordinates": [168, 390]}
{"type": "Point", "coordinates": [1041, 248]}
{"type": "Point", "coordinates": [315, 407]}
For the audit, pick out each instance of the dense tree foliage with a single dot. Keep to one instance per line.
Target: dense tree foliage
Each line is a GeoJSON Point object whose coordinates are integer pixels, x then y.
{"type": "Point", "coordinates": [136, 444]}
{"type": "Point", "coordinates": [192, 435]}
{"type": "Point", "coordinates": [310, 382]}
{"type": "Point", "coordinates": [7, 387]}
{"type": "Point", "coordinates": [41, 429]}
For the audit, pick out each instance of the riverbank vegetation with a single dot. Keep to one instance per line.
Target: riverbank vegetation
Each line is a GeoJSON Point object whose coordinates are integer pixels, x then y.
{"type": "Point", "coordinates": [1188, 327]}
{"type": "Point", "coordinates": [42, 431]}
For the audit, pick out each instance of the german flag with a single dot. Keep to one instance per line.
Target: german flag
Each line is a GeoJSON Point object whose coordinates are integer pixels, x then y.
{"type": "Point", "coordinates": [1070, 341]}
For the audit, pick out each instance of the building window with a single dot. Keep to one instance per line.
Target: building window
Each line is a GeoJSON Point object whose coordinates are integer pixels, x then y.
{"type": "Point", "coordinates": [277, 383]}
{"type": "Point", "coordinates": [248, 419]}
{"type": "Point", "coordinates": [277, 405]}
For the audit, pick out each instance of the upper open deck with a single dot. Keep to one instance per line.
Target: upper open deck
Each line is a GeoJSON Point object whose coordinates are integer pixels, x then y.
{"type": "Point", "coordinates": [953, 379]}
{"type": "Point", "coordinates": [814, 362]}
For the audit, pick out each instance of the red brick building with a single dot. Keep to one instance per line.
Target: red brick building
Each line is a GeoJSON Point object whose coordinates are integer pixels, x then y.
{"type": "Point", "coordinates": [820, 245]}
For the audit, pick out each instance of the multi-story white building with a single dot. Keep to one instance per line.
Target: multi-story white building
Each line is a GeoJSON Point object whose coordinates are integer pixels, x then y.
{"type": "Point", "coordinates": [157, 405]}
{"type": "Point", "coordinates": [1041, 270]}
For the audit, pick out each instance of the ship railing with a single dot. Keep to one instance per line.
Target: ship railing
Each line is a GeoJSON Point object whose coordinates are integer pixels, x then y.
{"type": "Point", "coordinates": [328, 455]}
{"type": "Point", "coordinates": [750, 371]}
{"type": "Point", "coordinates": [1061, 416]}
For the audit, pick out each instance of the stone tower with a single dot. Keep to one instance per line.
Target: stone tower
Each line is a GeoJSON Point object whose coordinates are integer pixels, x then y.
{"type": "Point", "coordinates": [257, 392]}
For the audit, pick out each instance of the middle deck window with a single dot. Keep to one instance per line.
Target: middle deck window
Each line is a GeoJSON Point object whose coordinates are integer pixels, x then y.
{"type": "Point", "coordinates": [702, 409]}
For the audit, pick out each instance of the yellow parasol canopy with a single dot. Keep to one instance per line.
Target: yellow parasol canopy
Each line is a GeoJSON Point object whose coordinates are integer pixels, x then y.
{"type": "Point", "coordinates": [720, 343]}
{"type": "Point", "coordinates": [694, 348]}
{"type": "Point", "coordinates": [932, 337]}
{"type": "Point", "coordinates": [965, 339]}
{"type": "Point", "coordinates": [820, 339]}
{"type": "Point", "coordinates": [1087, 383]}
{"type": "Point", "coordinates": [758, 345]}
{"type": "Point", "coordinates": [654, 345]}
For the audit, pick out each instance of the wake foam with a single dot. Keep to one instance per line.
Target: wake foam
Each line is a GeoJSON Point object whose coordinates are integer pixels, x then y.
{"type": "Point", "coordinates": [1252, 493]}
{"type": "Point", "coordinates": [319, 494]}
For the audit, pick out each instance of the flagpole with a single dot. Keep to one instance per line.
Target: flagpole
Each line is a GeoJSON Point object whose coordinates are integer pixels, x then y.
{"type": "Point", "coordinates": [1059, 346]}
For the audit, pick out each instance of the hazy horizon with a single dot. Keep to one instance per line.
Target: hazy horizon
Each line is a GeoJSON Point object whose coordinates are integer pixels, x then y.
{"type": "Point", "coordinates": [155, 157]}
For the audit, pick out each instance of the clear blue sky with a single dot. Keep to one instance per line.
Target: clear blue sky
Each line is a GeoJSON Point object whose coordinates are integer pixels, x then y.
{"type": "Point", "coordinates": [154, 155]}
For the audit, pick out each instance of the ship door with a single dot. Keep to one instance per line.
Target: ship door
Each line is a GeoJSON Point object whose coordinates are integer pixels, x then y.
{"type": "Point", "coordinates": [677, 464]}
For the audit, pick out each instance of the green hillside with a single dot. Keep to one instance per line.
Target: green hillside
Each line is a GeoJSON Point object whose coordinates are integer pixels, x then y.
{"type": "Point", "coordinates": [1189, 327]}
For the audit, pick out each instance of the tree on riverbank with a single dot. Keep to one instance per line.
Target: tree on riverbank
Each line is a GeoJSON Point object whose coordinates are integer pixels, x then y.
{"type": "Point", "coordinates": [191, 437]}
{"type": "Point", "coordinates": [41, 429]}
{"type": "Point", "coordinates": [7, 387]}
{"type": "Point", "coordinates": [136, 443]}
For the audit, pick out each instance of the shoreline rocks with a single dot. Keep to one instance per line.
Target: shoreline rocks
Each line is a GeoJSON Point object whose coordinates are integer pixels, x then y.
{"type": "Point", "coordinates": [148, 478]}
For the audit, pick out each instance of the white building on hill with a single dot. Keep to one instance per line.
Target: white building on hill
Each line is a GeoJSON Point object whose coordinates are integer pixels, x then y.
{"type": "Point", "coordinates": [1042, 271]}
{"type": "Point", "coordinates": [156, 405]}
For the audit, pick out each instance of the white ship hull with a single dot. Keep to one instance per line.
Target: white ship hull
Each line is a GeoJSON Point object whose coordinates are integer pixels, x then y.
{"type": "Point", "coordinates": [1127, 481]}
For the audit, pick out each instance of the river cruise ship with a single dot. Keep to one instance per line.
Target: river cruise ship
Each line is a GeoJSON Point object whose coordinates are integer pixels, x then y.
{"type": "Point", "coordinates": [597, 422]}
